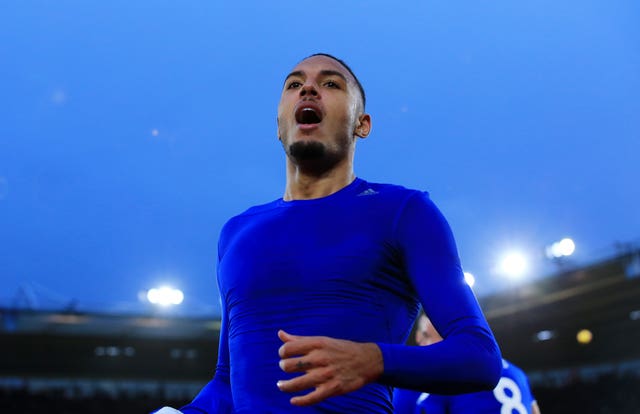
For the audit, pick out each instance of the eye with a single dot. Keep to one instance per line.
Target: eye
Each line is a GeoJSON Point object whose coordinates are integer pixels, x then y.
{"type": "Point", "coordinates": [294, 85]}
{"type": "Point", "coordinates": [331, 84]}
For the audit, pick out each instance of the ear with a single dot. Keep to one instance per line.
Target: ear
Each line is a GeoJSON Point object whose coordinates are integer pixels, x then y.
{"type": "Point", "coordinates": [363, 127]}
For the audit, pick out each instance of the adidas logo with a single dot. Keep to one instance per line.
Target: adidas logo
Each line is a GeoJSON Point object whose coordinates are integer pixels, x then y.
{"type": "Point", "coordinates": [367, 192]}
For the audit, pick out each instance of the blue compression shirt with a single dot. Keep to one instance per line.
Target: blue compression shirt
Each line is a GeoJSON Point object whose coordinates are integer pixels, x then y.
{"type": "Point", "coordinates": [511, 395]}
{"type": "Point", "coordinates": [354, 265]}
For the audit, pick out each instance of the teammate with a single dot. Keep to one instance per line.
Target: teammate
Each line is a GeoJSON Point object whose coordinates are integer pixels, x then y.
{"type": "Point", "coordinates": [512, 395]}
{"type": "Point", "coordinates": [320, 287]}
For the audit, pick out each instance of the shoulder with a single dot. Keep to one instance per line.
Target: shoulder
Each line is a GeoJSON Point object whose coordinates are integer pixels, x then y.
{"type": "Point", "coordinates": [250, 216]}
{"type": "Point", "coordinates": [394, 195]}
{"type": "Point", "coordinates": [515, 373]}
{"type": "Point", "coordinates": [257, 210]}
{"type": "Point", "coordinates": [509, 369]}
{"type": "Point", "coordinates": [389, 190]}
{"type": "Point", "coordinates": [409, 202]}
{"type": "Point", "coordinates": [253, 212]}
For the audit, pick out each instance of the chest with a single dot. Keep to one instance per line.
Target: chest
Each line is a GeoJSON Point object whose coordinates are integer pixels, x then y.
{"type": "Point", "coordinates": [294, 251]}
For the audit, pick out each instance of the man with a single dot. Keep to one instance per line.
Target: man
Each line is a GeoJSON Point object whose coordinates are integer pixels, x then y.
{"type": "Point", "coordinates": [319, 288]}
{"type": "Point", "coordinates": [511, 395]}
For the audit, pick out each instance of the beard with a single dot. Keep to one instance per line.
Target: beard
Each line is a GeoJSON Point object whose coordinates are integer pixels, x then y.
{"type": "Point", "coordinates": [314, 157]}
{"type": "Point", "coordinates": [307, 150]}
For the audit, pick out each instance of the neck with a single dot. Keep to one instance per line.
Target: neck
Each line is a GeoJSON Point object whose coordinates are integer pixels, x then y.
{"type": "Point", "coordinates": [305, 185]}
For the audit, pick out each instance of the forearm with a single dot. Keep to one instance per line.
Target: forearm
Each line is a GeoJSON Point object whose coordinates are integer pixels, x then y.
{"type": "Point", "coordinates": [469, 361]}
{"type": "Point", "coordinates": [214, 398]}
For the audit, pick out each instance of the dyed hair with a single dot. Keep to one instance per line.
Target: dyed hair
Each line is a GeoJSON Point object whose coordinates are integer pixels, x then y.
{"type": "Point", "coordinates": [340, 61]}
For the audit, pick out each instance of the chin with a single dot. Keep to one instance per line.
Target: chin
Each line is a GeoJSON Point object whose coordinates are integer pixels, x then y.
{"type": "Point", "coordinates": [307, 150]}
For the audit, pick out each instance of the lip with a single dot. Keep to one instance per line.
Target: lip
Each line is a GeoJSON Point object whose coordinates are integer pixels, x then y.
{"type": "Point", "coordinates": [307, 127]}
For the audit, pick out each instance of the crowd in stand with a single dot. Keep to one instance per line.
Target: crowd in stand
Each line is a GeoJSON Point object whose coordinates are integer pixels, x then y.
{"type": "Point", "coordinates": [607, 394]}
{"type": "Point", "coordinates": [58, 402]}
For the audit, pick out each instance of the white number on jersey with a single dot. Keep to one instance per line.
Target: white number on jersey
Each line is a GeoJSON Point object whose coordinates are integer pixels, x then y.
{"type": "Point", "coordinates": [509, 402]}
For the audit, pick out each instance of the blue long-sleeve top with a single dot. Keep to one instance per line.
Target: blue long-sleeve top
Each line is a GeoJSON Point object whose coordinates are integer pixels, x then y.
{"type": "Point", "coordinates": [512, 395]}
{"type": "Point", "coordinates": [354, 265]}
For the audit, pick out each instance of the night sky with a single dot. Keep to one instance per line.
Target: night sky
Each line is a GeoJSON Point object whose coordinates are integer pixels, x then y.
{"type": "Point", "coordinates": [131, 131]}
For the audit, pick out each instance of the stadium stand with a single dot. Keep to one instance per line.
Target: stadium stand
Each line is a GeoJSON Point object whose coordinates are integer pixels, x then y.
{"type": "Point", "coordinates": [69, 362]}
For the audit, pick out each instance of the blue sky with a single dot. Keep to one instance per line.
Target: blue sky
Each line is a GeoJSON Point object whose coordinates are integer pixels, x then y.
{"type": "Point", "coordinates": [130, 132]}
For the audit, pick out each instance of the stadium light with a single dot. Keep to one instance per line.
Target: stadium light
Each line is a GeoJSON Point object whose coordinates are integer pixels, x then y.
{"type": "Point", "coordinates": [514, 264]}
{"type": "Point", "coordinates": [165, 296]}
{"type": "Point", "coordinates": [562, 248]}
{"type": "Point", "coordinates": [584, 336]}
{"type": "Point", "coordinates": [470, 279]}
{"type": "Point", "coordinates": [544, 335]}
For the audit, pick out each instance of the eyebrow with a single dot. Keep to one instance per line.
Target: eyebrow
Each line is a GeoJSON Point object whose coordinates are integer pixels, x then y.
{"type": "Point", "coordinates": [326, 72]}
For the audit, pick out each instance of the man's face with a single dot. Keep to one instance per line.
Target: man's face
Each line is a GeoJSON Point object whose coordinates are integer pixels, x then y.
{"type": "Point", "coordinates": [426, 333]}
{"type": "Point", "coordinates": [318, 110]}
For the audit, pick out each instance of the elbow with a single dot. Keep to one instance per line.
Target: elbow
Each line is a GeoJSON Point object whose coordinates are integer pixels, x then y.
{"type": "Point", "coordinates": [490, 364]}
{"type": "Point", "coordinates": [490, 369]}
{"type": "Point", "coordinates": [485, 377]}
{"type": "Point", "coordinates": [493, 373]}
{"type": "Point", "coordinates": [482, 374]}
{"type": "Point", "coordinates": [485, 370]}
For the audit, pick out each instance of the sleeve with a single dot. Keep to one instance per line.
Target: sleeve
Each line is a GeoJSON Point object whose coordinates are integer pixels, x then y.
{"type": "Point", "coordinates": [215, 397]}
{"type": "Point", "coordinates": [468, 359]}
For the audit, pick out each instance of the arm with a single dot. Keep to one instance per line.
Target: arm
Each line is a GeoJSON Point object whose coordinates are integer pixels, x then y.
{"type": "Point", "coordinates": [468, 359]}
{"type": "Point", "coordinates": [215, 397]}
{"type": "Point", "coordinates": [534, 404]}
{"type": "Point", "coordinates": [534, 408]}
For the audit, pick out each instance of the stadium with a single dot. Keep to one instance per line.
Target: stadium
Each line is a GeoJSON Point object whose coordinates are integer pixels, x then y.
{"type": "Point", "coordinates": [172, 173]}
{"type": "Point", "coordinates": [98, 363]}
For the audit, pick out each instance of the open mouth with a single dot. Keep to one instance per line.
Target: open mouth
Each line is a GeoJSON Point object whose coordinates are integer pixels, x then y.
{"type": "Point", "coordinates": [308, 115]}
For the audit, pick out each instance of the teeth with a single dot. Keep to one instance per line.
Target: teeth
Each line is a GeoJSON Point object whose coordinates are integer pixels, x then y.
{"type": "Point", "coordinates": [308, 113]}
{"type": "Point", "coordinates": [308, 116]}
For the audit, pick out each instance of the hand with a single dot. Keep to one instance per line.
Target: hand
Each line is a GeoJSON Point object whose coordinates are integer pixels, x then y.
{"type": "Point", "coordinates": [331, 366]}
{"type": "Point", "coordinates": [167, 410]}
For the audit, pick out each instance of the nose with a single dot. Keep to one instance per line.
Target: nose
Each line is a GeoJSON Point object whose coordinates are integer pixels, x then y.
{"type": "Point", "coordinates": [308, 89]}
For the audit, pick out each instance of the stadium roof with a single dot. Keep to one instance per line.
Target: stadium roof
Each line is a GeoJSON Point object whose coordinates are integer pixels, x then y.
{"type": "Point", "coordinates": [537, 324]}
{"type": "Point", "coordinates": [72, 323]}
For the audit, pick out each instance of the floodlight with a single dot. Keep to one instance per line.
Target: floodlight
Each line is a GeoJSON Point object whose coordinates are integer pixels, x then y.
{"type": "Point", "coordinates": [514, 264]}
{"type": "Point", "coordinates": [562, 248]}
{"type": "Point", "coordinates": [544, 335]}
{"type": "Point", "coordinates": [584, 336]}
{"type": "Point", "coordinates": [165, 296]}
{"type": "Point", "coordinates": [469, 278]}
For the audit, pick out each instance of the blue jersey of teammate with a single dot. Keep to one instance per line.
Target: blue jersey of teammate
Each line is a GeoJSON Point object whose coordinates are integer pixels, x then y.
{"type": "Point", "coordinates": [512, 395]}
{"type": "Point", "coordinates": [354, 265]}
